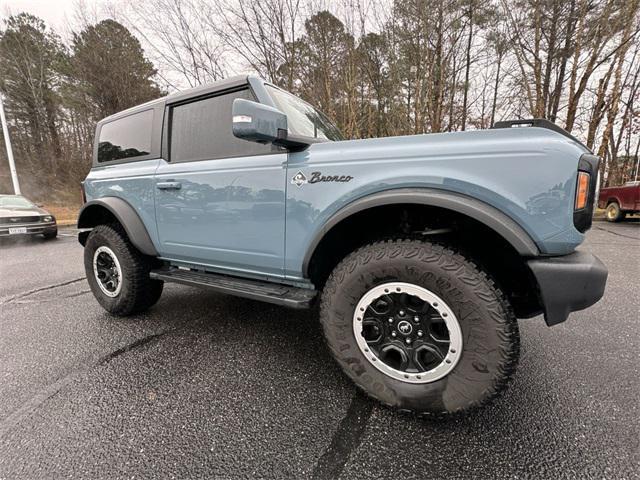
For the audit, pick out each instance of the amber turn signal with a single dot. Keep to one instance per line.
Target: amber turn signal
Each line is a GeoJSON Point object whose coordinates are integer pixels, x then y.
{"type": "Point", "coordinates": [582, 190]}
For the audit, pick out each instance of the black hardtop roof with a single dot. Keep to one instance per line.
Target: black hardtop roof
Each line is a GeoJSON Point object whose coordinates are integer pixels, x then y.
{"type": "Point", "coordinates": [231, 82]}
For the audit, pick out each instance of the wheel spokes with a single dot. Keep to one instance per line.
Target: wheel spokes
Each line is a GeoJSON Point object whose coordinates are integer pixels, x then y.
{"type": "Point", "coordinates": [382, 305]}
{"type": "Point", "coordinates": [428, 356]}
{"type": "Point", "coordinates": [413, 304]}
{"type": "Point", "coordinates": [394, 356]}
{"type": "Point", "coordinates": [417, 347]}
{"type": "Point", "coordinates": [107, 270]}
{"type": "Point", "coordinates": [438, 330]}
{"type": "Point", "coordinates": [407, 332]}
{"type": "Point", "coordinates": [372, 330]}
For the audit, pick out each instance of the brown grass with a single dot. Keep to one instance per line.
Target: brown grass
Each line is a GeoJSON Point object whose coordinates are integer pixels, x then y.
{"type": "Point", "coordinates": [64, 205]}
{"type": "Point", "coordinates": [65, 214]}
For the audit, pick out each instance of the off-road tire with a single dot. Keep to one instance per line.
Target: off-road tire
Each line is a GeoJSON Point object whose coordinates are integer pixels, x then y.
{"type": "Point", "coordinates": [613, 212]}
{"type": "Point", "coordinates": [491, 342]}
{"type": "Point", "coordinates": [138, 292]}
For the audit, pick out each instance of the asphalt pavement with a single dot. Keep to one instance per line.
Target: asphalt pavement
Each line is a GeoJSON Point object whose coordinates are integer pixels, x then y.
{"type": "Point", "coordinates": [211, 386]}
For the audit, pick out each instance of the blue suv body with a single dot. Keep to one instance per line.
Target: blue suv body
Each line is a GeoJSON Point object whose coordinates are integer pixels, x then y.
{"type": "Point", "coordinates": [243, 188]}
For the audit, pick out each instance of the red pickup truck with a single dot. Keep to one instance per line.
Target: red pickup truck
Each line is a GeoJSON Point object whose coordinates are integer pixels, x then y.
{"type": "Point", "coordinates": [620, 201]}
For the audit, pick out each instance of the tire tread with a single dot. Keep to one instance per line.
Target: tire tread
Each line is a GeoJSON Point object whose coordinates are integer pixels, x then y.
{"type": "Point", "coordinates": [143, 291]}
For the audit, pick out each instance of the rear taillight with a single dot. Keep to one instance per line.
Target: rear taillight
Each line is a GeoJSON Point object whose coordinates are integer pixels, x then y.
{"type": "Point", "coordinates": [83, 195]}
{"type": "Point", "coordinates": [582, 190]}
{"type": "Point", "coordinates": [586, 186]}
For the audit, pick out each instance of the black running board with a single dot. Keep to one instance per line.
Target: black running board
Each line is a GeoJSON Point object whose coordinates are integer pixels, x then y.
{"type": "Point", "coordinates": [279, 294]}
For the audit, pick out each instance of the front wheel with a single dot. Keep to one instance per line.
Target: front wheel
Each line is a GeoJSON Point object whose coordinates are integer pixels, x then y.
{"type": "Point", "coordinates": [118, 273]}
{"type": "Point", "coordinates": [614, 214]}
{"type": "Point", "coordinates": [419, 327]}
{"type": "Point", "coordinates": [50, 235]}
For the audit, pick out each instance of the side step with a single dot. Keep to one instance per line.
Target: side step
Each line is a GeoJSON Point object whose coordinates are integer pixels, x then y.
{"type": "Point", "coordinates": [279, 294]}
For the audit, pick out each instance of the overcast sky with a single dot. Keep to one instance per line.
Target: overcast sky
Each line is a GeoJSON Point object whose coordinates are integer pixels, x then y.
{"type": "Point", "coordinates": [60, 16]}
{"type": "Point", "coordinates": [51, 11]}
{"type": "Point", "coordinates": [55, 13]}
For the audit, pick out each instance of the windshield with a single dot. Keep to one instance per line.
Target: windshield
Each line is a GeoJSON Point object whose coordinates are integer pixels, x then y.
{"type": "Point", "coordinates": [11, 201]}
{"type": "Point", "coordinates": [302, 118]}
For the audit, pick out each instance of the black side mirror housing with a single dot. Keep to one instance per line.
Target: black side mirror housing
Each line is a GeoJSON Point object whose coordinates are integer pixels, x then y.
{"type": "Point", "coordinates": [261, 123]}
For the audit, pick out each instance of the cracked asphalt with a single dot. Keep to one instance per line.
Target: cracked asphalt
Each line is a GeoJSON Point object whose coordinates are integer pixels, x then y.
{"type": "Point", "coordinates": [209, 386]}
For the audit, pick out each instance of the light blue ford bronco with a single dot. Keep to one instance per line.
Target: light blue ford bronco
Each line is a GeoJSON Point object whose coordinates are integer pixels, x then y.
{"type": "Point", "coordinates": [420, 251]}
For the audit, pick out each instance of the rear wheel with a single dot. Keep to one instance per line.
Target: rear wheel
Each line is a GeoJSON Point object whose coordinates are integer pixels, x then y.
{"type": "Point", "coordinates": [419, 327]}
{"type": "Point", "coordinates": [118, 273]}
{"type": "Point", "coordinates": [614, 214]}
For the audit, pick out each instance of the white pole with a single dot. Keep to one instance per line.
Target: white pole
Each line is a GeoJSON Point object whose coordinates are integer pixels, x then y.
{"type": "Point", "coordinates": [7, 142]}
{"type": "Point", "coordinates": [635, 176]}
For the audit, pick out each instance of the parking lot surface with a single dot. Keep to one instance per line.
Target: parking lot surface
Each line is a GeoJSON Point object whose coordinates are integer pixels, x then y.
{"type": "Point", "coordinates": [205, 385]}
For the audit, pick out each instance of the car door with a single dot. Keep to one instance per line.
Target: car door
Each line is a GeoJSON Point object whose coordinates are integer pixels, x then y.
{"type": "Point", "coordinates": [220, 200]}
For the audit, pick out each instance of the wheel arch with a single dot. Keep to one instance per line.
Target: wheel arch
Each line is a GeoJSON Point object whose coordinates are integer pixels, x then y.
{"type": "Point", "coordinates": [490, 216]}
{"type": "Point", "coordinates": [489, 237]}
{"type": "Point", "coordinates": [106, 209]}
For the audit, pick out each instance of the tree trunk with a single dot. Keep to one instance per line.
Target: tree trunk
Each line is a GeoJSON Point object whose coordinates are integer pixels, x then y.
{"type": "Point", "coordinates": [575, 93]}
{"type": "Point", "coordinates": [551, 54]}
{"type": "Point", "coordinates": [630, 13]}
{"type": "Point", "coordinates": [557, 93]}
{"type": "Point", "coordinates": [600, 106]}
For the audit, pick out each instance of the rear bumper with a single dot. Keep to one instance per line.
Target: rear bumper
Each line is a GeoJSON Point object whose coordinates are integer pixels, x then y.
{"type": "Point", "coordinates": [568, 283]}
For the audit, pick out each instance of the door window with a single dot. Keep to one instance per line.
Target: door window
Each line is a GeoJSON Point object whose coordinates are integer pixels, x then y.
{"type": "Point", "coordinates": [201, 130]}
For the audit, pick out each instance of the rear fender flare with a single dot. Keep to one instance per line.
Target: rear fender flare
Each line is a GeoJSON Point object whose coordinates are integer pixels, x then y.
{"type": "Point", "coordinates": [91, 214]}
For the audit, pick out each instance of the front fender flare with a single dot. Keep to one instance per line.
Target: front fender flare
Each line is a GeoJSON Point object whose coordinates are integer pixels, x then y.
{"type": "Point", "coordinates": [490, 216]}
{"type": "Point", "coordinates": [92, 213]}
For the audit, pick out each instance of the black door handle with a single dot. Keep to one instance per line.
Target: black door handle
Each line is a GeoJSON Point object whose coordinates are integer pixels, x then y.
{"type": "Point", "coordinates": [169, 185]}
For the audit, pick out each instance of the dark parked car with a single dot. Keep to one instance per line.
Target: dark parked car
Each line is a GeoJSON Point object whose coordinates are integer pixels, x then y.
{"type": "Point", "coordinates": [20, 216]}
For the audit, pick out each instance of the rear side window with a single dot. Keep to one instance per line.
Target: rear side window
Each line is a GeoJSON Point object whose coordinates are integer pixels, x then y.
{"type": "Point", "coordinates": [201, 130]}
{"type": "Point", "coordinates": [126, 137]}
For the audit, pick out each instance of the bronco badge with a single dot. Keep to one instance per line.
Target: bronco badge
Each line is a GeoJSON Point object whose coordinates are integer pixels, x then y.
{"type": "Point", "coordinates": [300, 179]}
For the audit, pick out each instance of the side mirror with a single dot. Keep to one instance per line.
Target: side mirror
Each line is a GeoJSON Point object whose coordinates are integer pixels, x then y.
{"type": "Point", "coordinates": [257, 122]}
{"type": "Point", "coordinates": [261, 123]}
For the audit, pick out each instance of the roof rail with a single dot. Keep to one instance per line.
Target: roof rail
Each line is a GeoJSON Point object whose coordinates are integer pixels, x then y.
{"type": "Point", "coordinates": [537, 122]}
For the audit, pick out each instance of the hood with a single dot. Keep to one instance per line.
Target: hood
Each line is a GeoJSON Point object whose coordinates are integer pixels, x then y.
{"type": "Point", "coordinates": [22, 212]}
{"type": "Point", "coordinates": [474, 146]}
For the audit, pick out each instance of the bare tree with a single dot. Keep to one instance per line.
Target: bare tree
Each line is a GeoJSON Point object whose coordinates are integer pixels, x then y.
{"type": "Point", "coordinates": [262, 34]}
{"type": "Point", "coordinates": [630, 31]}
{"type": "Point", "coordinates": [180, 38]}
{"type": "Point", "coordinates": [597, 24]}
{"type": "Point", "coordinates": [378, 67]}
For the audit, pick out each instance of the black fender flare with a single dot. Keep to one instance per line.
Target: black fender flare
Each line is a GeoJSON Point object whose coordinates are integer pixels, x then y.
{"type": "Point", "coordinates": [90, 216]}
{"type": "Point", "coordinates": [490, 216]}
